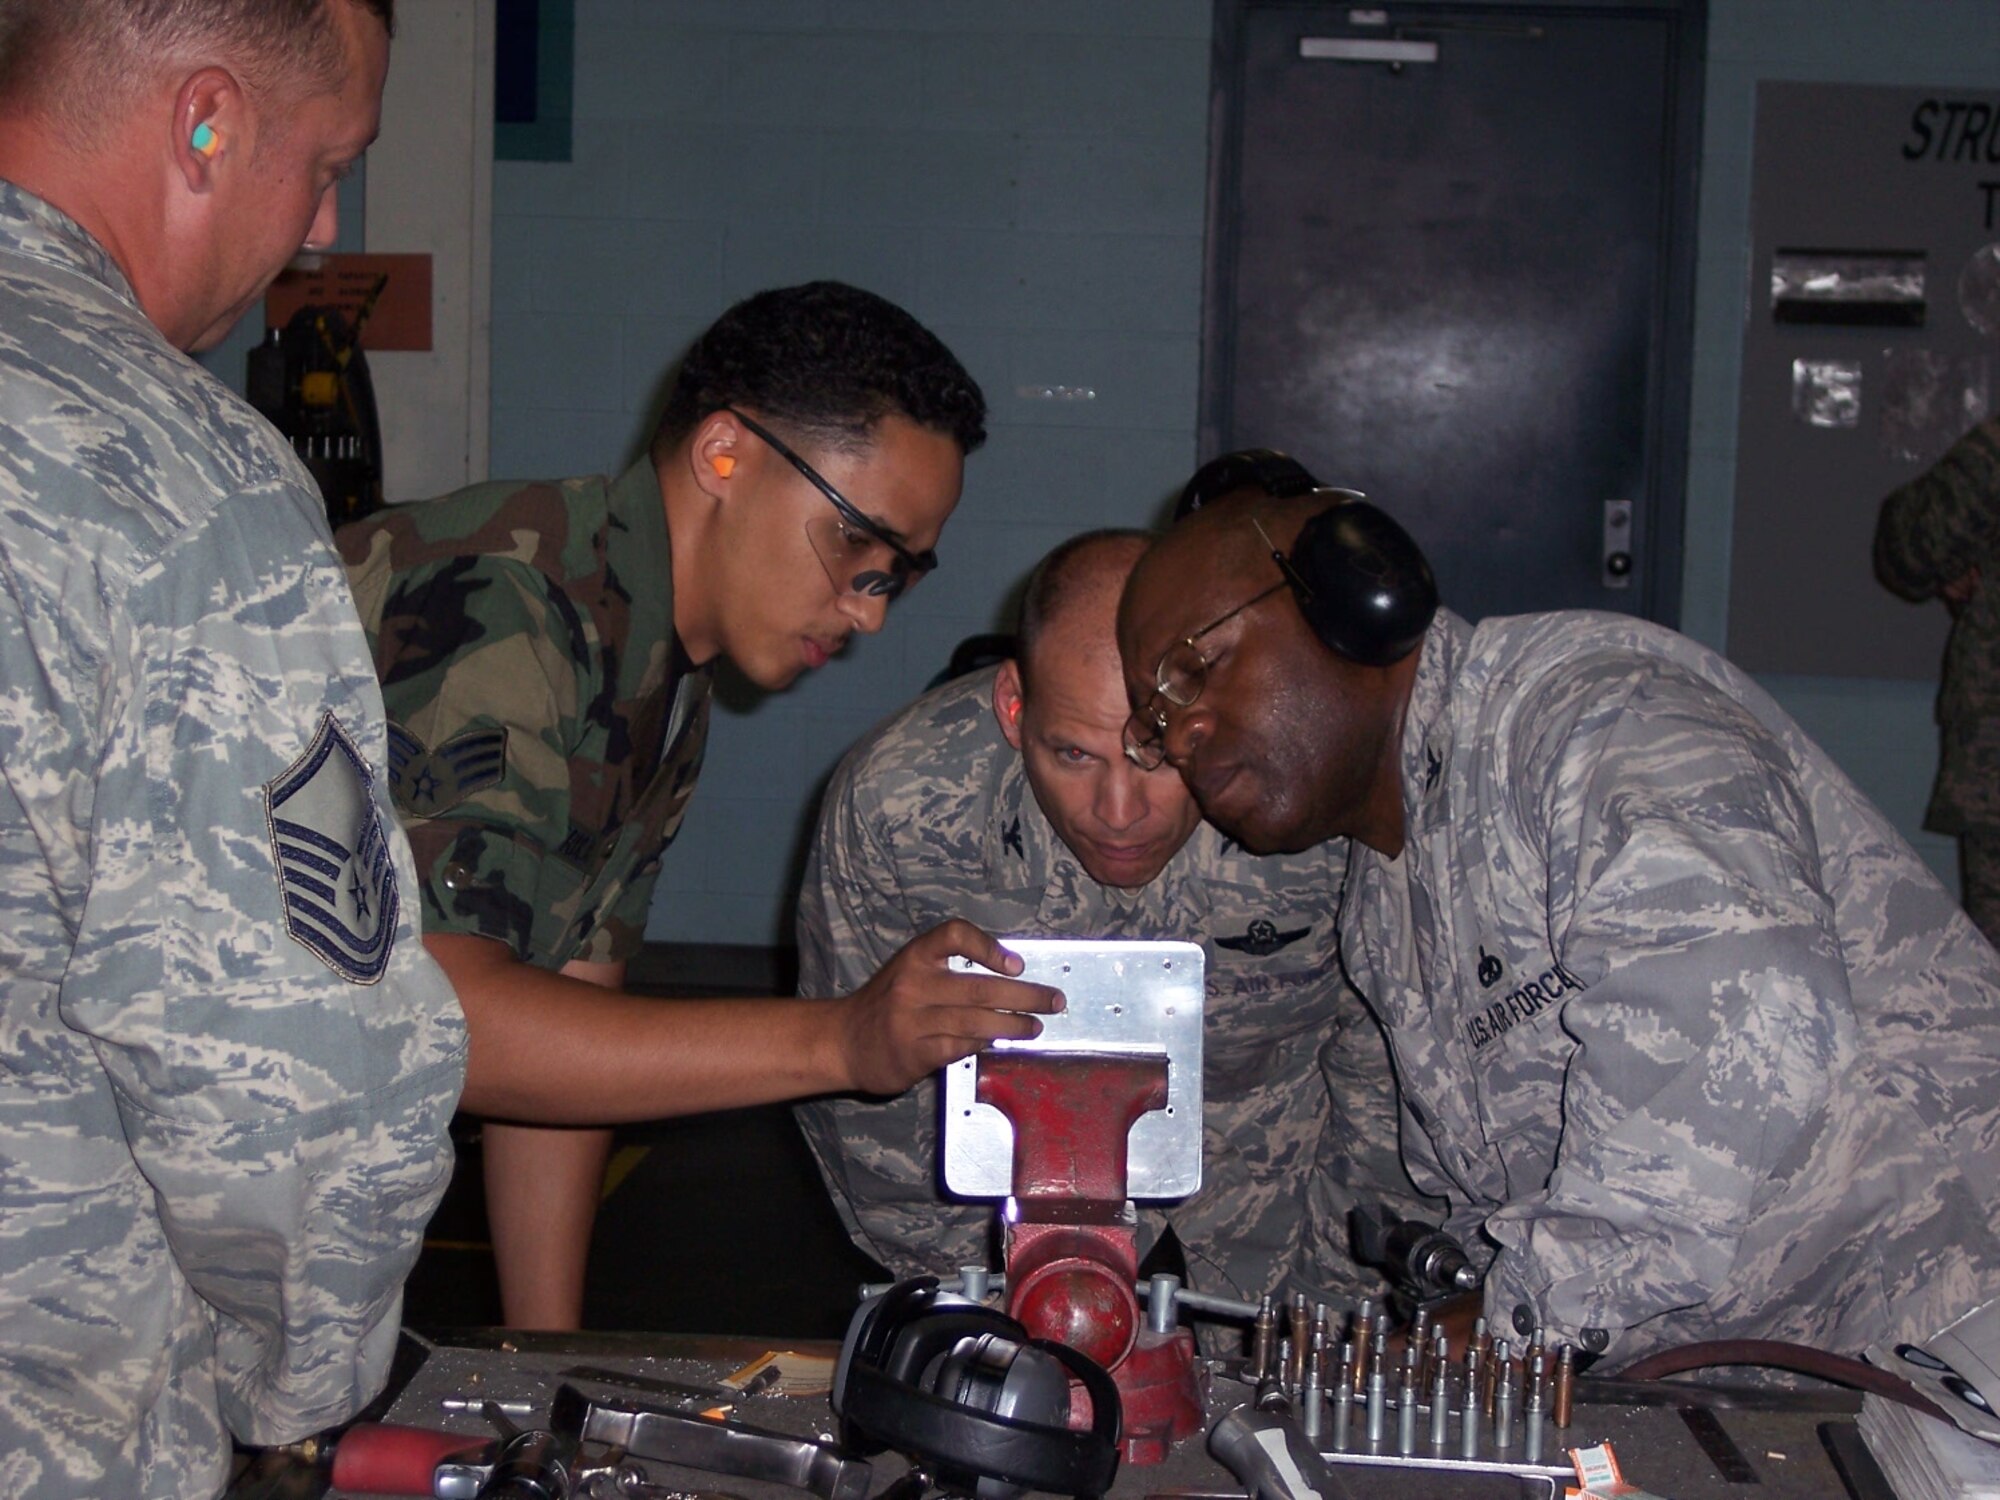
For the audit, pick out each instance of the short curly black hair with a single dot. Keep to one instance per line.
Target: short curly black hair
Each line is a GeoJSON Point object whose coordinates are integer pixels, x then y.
{"type": "Point", "coordinates": [827, 359]}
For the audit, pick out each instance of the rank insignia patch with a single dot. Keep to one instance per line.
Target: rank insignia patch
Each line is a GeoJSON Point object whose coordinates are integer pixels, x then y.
{"type": "Point", "coordinates": [334, 874]}
{"type": "Point", "coordinates": [426, 782]}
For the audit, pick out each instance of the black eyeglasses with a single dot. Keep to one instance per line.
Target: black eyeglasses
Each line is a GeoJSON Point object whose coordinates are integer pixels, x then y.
{"type": "Point", "coordinates": [1183, 671]}
{"type": "Point", "coordinates": [854, 563]}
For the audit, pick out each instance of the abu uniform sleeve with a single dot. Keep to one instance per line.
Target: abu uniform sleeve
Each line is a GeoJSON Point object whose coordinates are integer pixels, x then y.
{"type": "Point", "coordinates": [1684, 891]}
{"type": "Point", "coordinates": [282, 1057]}
{"type": "Point", "coordinates": [851, 916]}
{"type": "Point", "coordinates": [878, 1157]}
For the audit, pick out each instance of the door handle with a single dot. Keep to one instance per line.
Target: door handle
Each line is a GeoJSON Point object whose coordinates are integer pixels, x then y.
{"type": "Point", "coordinates": [1617, 557]}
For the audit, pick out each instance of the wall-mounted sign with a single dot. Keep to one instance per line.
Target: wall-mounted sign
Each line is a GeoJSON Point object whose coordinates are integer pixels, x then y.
{"type": "Point", "coordinates": [396, 290]}
{"type": "Point", "coordinates": [1873, 342]}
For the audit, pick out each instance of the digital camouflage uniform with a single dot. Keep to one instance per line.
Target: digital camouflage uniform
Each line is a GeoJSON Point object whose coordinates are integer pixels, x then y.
{"type": "Point", "coordinates": [1931, 531]}
{"type": "Point", "coordinates": [226, 1064]}
{"type": "Point", "coordinates": [1680, 1021]}
{"type": "Point", "coordinates": [545, 732]}
{"type": "Point", "coordinates": [932, 817]}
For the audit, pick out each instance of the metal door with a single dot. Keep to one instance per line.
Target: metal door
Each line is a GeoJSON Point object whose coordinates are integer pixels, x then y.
{"type": "Point", "coordinates": [1450, 264]}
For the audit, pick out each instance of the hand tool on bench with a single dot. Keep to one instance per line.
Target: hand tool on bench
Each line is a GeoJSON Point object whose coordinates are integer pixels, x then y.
{"type": "Point", "coordinates": [716, 1447]}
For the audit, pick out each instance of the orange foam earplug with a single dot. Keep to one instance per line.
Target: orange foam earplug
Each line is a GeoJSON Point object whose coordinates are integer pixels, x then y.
{"type": "Point", "coordinates": [723, 465]}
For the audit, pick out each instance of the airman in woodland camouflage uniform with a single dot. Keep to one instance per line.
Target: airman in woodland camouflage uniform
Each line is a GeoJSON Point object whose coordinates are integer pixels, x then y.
{"type": "Point", "coordinates": [545, 730]}
{"type": "Point", "coordinates": [1004, 797]}
{"type": "Point", "coordinates": [1937, 537]}
{"type": "Point", "coordinates": [1689, 1037]}
{"type": "Point", "coordinates": [229, 1065]}
{"type": "Point", "coordinates": [544, 651]}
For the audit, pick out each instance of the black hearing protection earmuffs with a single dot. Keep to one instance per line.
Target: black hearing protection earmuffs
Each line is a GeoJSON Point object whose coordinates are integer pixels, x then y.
{"type": "Point", "coordinates": [964, 1391]}
{"type": "Point", "coordinates": [1361, 581]}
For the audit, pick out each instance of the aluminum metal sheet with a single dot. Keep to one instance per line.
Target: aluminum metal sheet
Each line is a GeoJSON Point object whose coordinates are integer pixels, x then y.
{"type": "Point", "coordinates": [1134, 998]}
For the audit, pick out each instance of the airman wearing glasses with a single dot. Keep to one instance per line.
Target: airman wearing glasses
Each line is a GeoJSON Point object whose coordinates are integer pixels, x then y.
{"type": "Point", "coordinates": [545, 653]}
{"type": "Point", "coordinates": [1680, 1023]}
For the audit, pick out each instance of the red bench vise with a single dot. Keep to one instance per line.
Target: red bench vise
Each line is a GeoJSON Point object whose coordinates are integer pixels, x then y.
{"type": "Point", "coordinates": [1103, 1107]}
{"type": "Point", "coordinates": [1071, 1233]}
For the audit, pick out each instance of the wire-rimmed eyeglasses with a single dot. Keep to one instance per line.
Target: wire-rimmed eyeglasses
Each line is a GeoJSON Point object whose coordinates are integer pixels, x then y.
{"type": "Point", "coordinates": [1183, 668]}
{"type": "Point", "coordinates": [1177, 680]}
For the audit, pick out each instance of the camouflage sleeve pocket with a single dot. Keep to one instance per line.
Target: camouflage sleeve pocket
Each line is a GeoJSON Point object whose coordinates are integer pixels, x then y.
{"type": "Point", "coordinates": [481, 881]}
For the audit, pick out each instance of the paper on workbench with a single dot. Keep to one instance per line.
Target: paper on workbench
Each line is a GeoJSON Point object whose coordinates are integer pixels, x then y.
{"type": "Point", "coordinates": [1925, 1459]}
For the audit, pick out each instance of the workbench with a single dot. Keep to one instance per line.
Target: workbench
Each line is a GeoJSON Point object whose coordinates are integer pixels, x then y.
{"type": "Point", "coordinates": [1739, 1444]}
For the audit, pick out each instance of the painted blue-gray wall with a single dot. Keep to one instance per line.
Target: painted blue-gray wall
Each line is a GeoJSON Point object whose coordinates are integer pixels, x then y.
{"type": "Point", "coordinates": [1028, 177]}
{"type": "Point", "coordinates": [1880, 731]}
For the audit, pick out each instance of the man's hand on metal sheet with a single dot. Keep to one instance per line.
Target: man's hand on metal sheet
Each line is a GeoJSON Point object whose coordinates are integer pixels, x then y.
{"type": "Point", "coordinates": [916, 1015]}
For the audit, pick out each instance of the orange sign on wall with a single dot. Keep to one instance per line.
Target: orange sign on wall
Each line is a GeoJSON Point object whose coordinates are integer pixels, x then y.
{"type": "Point", "coordinates": [401, 317]}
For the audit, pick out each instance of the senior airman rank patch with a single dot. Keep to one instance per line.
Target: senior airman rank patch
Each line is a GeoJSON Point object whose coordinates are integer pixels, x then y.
{"type": "Point", "coordinates": [335, 877]}
{"type": "Point", "coordinates": [426, 782]}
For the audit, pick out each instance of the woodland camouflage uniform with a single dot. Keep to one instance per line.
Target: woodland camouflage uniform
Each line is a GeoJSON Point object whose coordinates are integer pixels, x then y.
{"type": "Point", "coordinates": [545, 730]}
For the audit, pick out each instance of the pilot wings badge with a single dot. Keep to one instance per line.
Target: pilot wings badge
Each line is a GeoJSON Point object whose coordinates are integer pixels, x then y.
{"type": "Point", "coordinates": [1262, 938]}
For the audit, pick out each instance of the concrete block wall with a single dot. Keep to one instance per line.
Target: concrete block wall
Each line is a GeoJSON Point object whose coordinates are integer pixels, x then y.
{"type": "Point", "coordinates": [1028, 177]}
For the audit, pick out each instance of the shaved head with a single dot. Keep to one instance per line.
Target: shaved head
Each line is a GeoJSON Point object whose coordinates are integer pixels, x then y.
{"type": "Point", "coordinates": [84, 60]}
{"type": "Point", "coordinates": [1071, 604]}
{"type": "Point", "coordinates": [1122, 823]}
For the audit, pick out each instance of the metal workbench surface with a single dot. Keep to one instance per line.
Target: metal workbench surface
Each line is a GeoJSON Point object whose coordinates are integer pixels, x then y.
{"type": "Point", "coordinates": [1741, 1443]}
